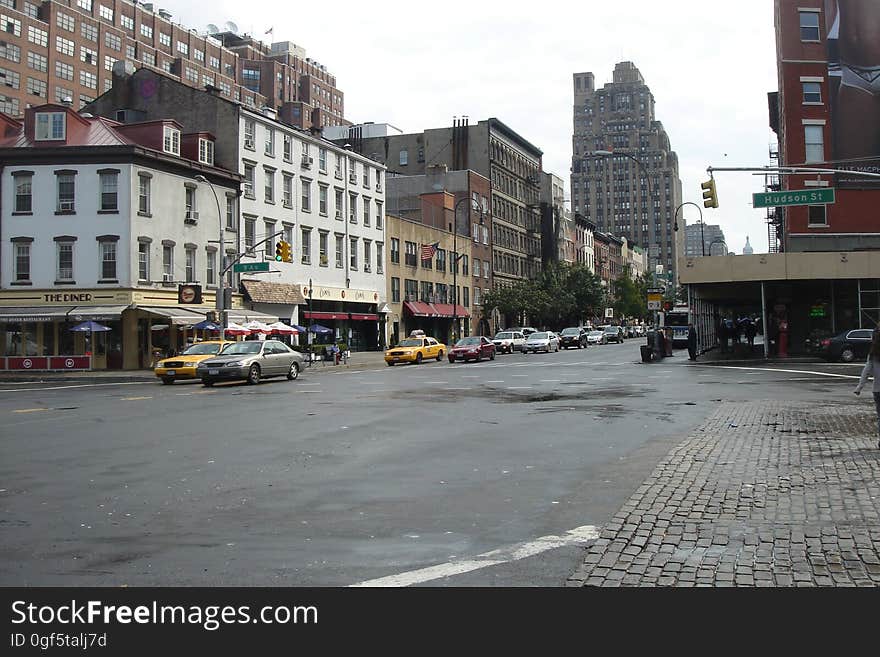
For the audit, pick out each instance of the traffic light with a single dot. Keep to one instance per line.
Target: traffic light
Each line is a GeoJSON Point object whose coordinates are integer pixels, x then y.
{"type": "Point", "coordinates": [710, 196]}
{"type": "Point", "coordinates": [283, 252]}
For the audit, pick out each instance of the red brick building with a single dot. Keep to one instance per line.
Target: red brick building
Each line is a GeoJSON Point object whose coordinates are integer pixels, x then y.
{"type": "Point", "coordinates": [826, 113]}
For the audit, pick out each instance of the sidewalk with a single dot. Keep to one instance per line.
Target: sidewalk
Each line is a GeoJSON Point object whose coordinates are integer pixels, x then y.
{"type": "Point", "coordinates": [762, 494]}
{"type": "Point", "coordinates": [359, 361]}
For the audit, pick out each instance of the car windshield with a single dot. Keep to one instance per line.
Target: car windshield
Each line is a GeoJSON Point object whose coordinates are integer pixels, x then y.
{"type": "Point", "coordinates": [504, 336]}
{"type": "Point", "coordinates": [611, 329]}
{"type": "Point", "coordinates": [464, 342]}
{"type": "Point", "coordinates": [202, 350]}
{"type": "Point", "coordinates": [249, 347]}
{"type": "Point", "coordinates": [571, 331]}
{"type": "Point", "coordinates": [410, 342]}
{"type": "Point", "coordinates": [538, 336]}
{"type": "Point", "coordinates": [595, 333]}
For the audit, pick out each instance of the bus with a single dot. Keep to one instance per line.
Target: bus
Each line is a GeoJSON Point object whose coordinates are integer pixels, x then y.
{"type": "Point", "coordinates": [677, 319]}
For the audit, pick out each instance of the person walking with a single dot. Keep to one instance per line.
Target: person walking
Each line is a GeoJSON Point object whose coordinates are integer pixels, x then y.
{"type": "Point", "coordinates": [872, 368]}
{"type": "Point", "coordinates": [692, 342]}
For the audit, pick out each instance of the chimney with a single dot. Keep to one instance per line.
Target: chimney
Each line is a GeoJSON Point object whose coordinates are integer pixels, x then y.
{"type": "Point", "coordinates": [269, 112]}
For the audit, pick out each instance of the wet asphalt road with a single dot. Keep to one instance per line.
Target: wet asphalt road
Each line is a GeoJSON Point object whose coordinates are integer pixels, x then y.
{"type": "Point", "coordinates": [349, 477]}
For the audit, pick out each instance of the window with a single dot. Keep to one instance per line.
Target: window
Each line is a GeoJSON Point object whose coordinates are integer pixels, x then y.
{"type": "Point", "coordinates": [353, 252]}
{"type": "Point", "coordinates": [109, 62]}
{"type": "Point", "coordinates": [366, 176]}
{"type": "Point", "coordinates": [269, 146]}
{"type": "Point", "coordinates": [89, 32]}
{"type": "Point", "coordinates": [476, 296]}
{"type": "Point", "coordinates": [39, 37]}
{"type": "Point", "coordinates": [379, 258]}
{"type": "Point", "coordinates": [269, 185]}
{"type": "Point", "coordinates": [322, 248]}
{"type": "Point", "coordinates": [368, 255]}
{"type": "Point", "coordinates": [339, 204]}
{"type": "Point", "coordinates": [287, 233]}
{"type": "Point", "coordinates": [22, 261]}
{"type": "Point", "coordinates": [65, 22]}
{"type": "Point", "coordinates": [465, 294]}
{"type": "Point", "coordinates": [210, 267]}
{"type": "Point", "coordinates": [9, 105]}
{"type": "Point", "coordinates": [206, 151]}
{"type": "Point", "coordinates": [146, 31]}
{"type": "Point", "coordinates": [183, 48]}
{"type": "Point", "coordinates": [379, 215]}
{"type": "Point", "coordinates": [441, 260]}
{"type": "Point", "coordinates": [250, 129]}
{"type": "Point", "coordinates": [477, 265]}
{"type": "Point", "coordinates": [213, 62]}
{"type": "Point", "coordinates": [231, 214]}
{"type": "Point", "coordinates": [64, 271]}
{"type": "Point", "coordinates": [148, 58]}
{"type": "Point", "coordinates": [171, 140]}
{"type": "Point", "coordinates": [404, 157]}
{"type": "Point", "coordinates": [814, 143]}
{"type": "Point", "coordinates": [395, 251]}
{"type": "Point", "coordinates": [339, 249]}
{"type": "Point", "coordinates": [250, 230]}
{"type": "Point", "coordinates": [109, 184]}
{"type": "Point", "coordinates": [199, 55]}
{"type": "Point", "coordinates": [410, 257]}
{"type": "Point", "coordinates": [165, 39]}
{"type": "Point", "coordinates": [464, 265]}
{"type": "Point", "coordinates": [66, 192]}
{"type": "Point", "coordinates": [167, 263]}
{"type": "Point", "coordinates": [10, 25]}
{"type": "Point", "coordinates": [322, 159]}
{"type": "Point", "coordinates": [485, 269]}
{"type": "Point", "coordinates": [817, 215]}
{"type": "Point", "coordinates": [395, 290]}
{"type": "Point", "coordinates": [85, 4]}
{"type": "Point", "coordinates": [108, 261]}
{"type": "Point", "coordinates": [269, 227]}
{"type": "Point", "coordinates": [112, 41]}
{"type": "Point", "coordinates": [809, 25]}
{"type": "Point", "coordinates": [287, 190]}
{"type": "Point", "coordinates": [37, 62]}
{"type": "Point", "coordinates": [190, 265]}
{"type": "Point", "coordinates": [24, 193]}
{"type": "Point", "coordinates": [10, 51]}
{"type": "Point", "coordinates": [249, 183]}
{"type": "Point", "coordinates": [306, 195]}
{"type": "Point", "coordinates": [36, 87]}
{"type": "Point", "coordinates": [352, 208]}
{"type": "Point", "coordinates": [144, 261]}
{"type": "Point", "coordinates": [322, 199]}
{"type": "Point", "coordinates": [10, 79]}
{"type": "Point", "coordinates": [306, 248]}
{"type": "Point", "coordinates": [366, 212]}
{"type": "Point", "coordinates": [144, 194]}
{"type": "Point", "coordinates": [88, 79]}
{"type": "Point", "coordinates": [192, 213]}
{"type": "Point", "coordinates": [88, 55]}
{"type": "Point", "coordinates": [106, 12]}
{"type": "Point", "coordinates": [812, 92]}
{"type": "Point", "coordinates": [288, 148]}
{"type": "Point", "coordinates": [64, 46]}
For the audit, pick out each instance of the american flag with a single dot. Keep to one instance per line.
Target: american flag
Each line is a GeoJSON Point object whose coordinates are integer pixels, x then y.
{"type": "Point", "coordinates": [428, 250]}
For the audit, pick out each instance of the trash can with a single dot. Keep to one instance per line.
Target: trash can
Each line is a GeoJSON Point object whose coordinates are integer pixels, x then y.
{"type": "Point", "coordinates": [647, 353]}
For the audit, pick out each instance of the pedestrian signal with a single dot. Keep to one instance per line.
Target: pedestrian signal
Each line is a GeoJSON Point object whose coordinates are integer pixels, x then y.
{"type": "Point", "coordinates": [710, 195]}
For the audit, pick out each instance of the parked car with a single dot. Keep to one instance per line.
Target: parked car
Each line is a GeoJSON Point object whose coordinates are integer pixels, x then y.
{"type": "Point", "coordinates": [630, 331]}
{"type": "Point", "coordinates": [525, 330]}
{"type": "Point", "coordinates": [541, 341]}
{"type": "Point", "coordinates": [251, 361]}
{"type": "Point", "coordinates": [613, 334]}
{"type": "Point", "coordinates": [575, 336]}
{"type": "Point", "coordinates": [415, 349]}
{"type": "Point", "coordinates": [848, 346]}
{"type": "Point", "coordinates": [596, 337]}
{"type": "Point", "coordinates": [177, 368]}
{"type": "Point", "coordinates": [509, 341]}
{"type": "Point", "coordinates": [475, 348]}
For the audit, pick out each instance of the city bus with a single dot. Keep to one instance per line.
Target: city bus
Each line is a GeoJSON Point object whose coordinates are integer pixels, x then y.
{"type": "Point", "coordinates": [677, 319]}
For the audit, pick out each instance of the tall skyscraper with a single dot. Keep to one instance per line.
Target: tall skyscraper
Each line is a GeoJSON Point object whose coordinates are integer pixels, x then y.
{"type": "Point", "coordinates": [711, 236]}
{"type": "Point", "coordinates": [624, 174]}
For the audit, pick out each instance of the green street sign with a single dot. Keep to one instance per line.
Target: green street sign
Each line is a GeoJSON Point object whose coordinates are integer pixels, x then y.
{"type": "Point", "coordinates": [250, 266]}
{"type": "Point", "coordinates": [815, 196]}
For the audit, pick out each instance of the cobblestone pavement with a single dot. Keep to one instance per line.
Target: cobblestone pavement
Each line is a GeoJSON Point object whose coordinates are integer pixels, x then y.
{"type": "Point", "coordinates": [762, 494]}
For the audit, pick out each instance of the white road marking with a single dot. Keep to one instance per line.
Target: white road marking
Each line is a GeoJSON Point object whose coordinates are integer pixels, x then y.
{"type": "Point", "coordinates": [84, 385]}
{"type": "Point", "coordinates": [577, 536]}
{"type": "Point", "coordinates": [551, 380]}
{"type": "Point", "coordinates": [520, 376]}
{"type": "Point", "coordinates": [519, 388]}
{"type": "Point", "coordinates": [494, 381]}
{"type": "Point", "coordinates": [773, 369]}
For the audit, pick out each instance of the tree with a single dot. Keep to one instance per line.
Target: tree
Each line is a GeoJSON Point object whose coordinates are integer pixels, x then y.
{"type": "Point", "coordinates": [632, 296]}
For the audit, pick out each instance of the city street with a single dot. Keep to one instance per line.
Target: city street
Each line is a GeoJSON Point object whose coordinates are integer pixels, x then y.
{"type": "Point", "coordinates": [481, 474]}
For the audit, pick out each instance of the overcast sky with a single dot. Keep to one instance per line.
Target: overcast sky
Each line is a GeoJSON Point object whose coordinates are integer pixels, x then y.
{"type": "Point", "coordinates": [416, 65]}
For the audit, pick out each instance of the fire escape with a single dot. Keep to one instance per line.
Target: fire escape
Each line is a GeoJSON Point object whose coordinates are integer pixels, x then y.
{"type": "Point", "coordinates": [775, 216]}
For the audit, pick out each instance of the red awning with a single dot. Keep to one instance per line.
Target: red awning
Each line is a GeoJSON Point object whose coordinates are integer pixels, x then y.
{"type": "Point", "coordinates": [419, 309]}
{"type": "Point", "coordinates": [360, 317]}
{"type": "Point", "coordinates": [449, 310]}
{"type": "Point", "coordinates": [364, 317]}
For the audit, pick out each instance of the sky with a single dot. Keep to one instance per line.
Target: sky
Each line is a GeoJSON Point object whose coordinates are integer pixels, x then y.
{"type": "Point", "coordinates": [417, 65]}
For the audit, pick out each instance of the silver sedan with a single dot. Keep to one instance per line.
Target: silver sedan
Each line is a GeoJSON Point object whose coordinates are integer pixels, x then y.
{"type": "Point", "coordinates": [251, 361]}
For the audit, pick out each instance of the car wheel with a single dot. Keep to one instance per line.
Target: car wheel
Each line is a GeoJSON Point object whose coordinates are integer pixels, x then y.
{"type": "Point", "coordinates": [390, 364]}
{"type": "Point", "coordinates": [207, 383]}
{"type": "Point", "coordinates": [847, 355]}
{"type": "Point", "coordinates": [419, 358]}
{"type": "Point", "coordinates": [491, 355]}
{"type": "Point", "coordinates": [479, 357]}
{"type": "Point", "coordinates": [440, 356]}
{"type": "Point", "coordinates": [293, 372]}
{"type": "Point", "coordinates": [451, 359]}
{"type": "Point", "coordinates": [253, 377]}
{"type": "Point", "coordinates": [167, 382]}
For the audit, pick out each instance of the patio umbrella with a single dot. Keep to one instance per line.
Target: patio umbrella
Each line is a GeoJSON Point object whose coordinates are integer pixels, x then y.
{"type": "Point", "coordinates": [205, 325]}
{"type": "Point", "coordinates": [237, 329]}
{"type": "Point", "coordinates": [258, 327]}
{"type": "Point", "coordinates": [317, 328]}
{"type": "Point", "coordinates": [283, 329]}
{"type": "Point", "coordinates": [90, 326]}
{"type": "Point", "coordinates": [298, 328]}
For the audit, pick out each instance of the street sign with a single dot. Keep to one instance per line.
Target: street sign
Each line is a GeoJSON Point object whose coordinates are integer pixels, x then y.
{"type": "Point", "coordinates": [250, 266]}
{"type": "Point", "coordinates": [655, 298]}
{"type": "Point", "coordinates": [609, 313]}
{"type": "Point", "coordinates": [815, 196]}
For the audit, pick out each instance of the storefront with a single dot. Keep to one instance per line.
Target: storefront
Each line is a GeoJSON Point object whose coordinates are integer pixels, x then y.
{"type": "Point", "coordinates": [435, 319]}
{"type": "Point", "coordinates": [351, 315]}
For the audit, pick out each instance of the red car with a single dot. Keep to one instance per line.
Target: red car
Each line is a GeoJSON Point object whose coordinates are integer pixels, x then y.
{"type": "Point", "coordinates": [475, 348]}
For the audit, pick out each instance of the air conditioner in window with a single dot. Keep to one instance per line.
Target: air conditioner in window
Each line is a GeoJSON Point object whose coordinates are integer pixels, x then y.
{"type": "Point", "coordinates": [192, 217]}
{"type": "Point", "coordinates": [167, 278]}
{"type": "Point", "coordinates": [66, 206]}
{"type": "Point", "coordinates": [306, 260]}
{"type": "Point", "coordinates": [339, 214]}
{"type": "Point", "coordinates": [307, 162]}
{"type": "Point", "coordinates": [338, 173]}
{"type": "Point", "coordinates": [248, 143]}
{"type": "Point", "coordinates": [378, 187]}
{"type": "Point", "coordinates": [352, 178]}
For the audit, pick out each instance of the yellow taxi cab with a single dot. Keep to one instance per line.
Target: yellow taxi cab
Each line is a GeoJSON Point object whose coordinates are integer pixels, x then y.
{"type": "Point", "coordinates": [414, 349]}
{"type": "Point", "coordinates": [183, 366]}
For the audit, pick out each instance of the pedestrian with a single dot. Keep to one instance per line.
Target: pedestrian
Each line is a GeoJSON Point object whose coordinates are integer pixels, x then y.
{"type": "Point", "coordinates": [722, 335]}
{"type": "Point", "coordinates": [751, 331]}
{"type": "Point", "coordinates": [872, 368]}
{"type": "Point", "coordinates": [668, 336]}
{"type": "Point", "coordinates": [692, 342]}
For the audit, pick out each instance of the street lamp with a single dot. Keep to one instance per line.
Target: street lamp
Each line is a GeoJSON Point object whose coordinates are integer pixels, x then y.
{"type": "Point", "coordinates": [702, 224]}
{"type": "Point", "coordinates": [455, 258]}
{"type": "Point", "coordinates": [221, 287]}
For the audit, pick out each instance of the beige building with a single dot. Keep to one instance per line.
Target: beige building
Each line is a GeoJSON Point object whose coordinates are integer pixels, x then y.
{"type": "Point", "coordinates": [422, 290]}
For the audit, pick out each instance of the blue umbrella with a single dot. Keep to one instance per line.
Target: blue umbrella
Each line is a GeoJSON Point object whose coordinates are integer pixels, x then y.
{"type": "Point", "coordinates": [301, 329]}
{"type": "Point", "coordinates": [317, 328]}
{"type": "Point", "coordinates": [205, 325]}
{"type": "Point", "coordinates": [90, 326]}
